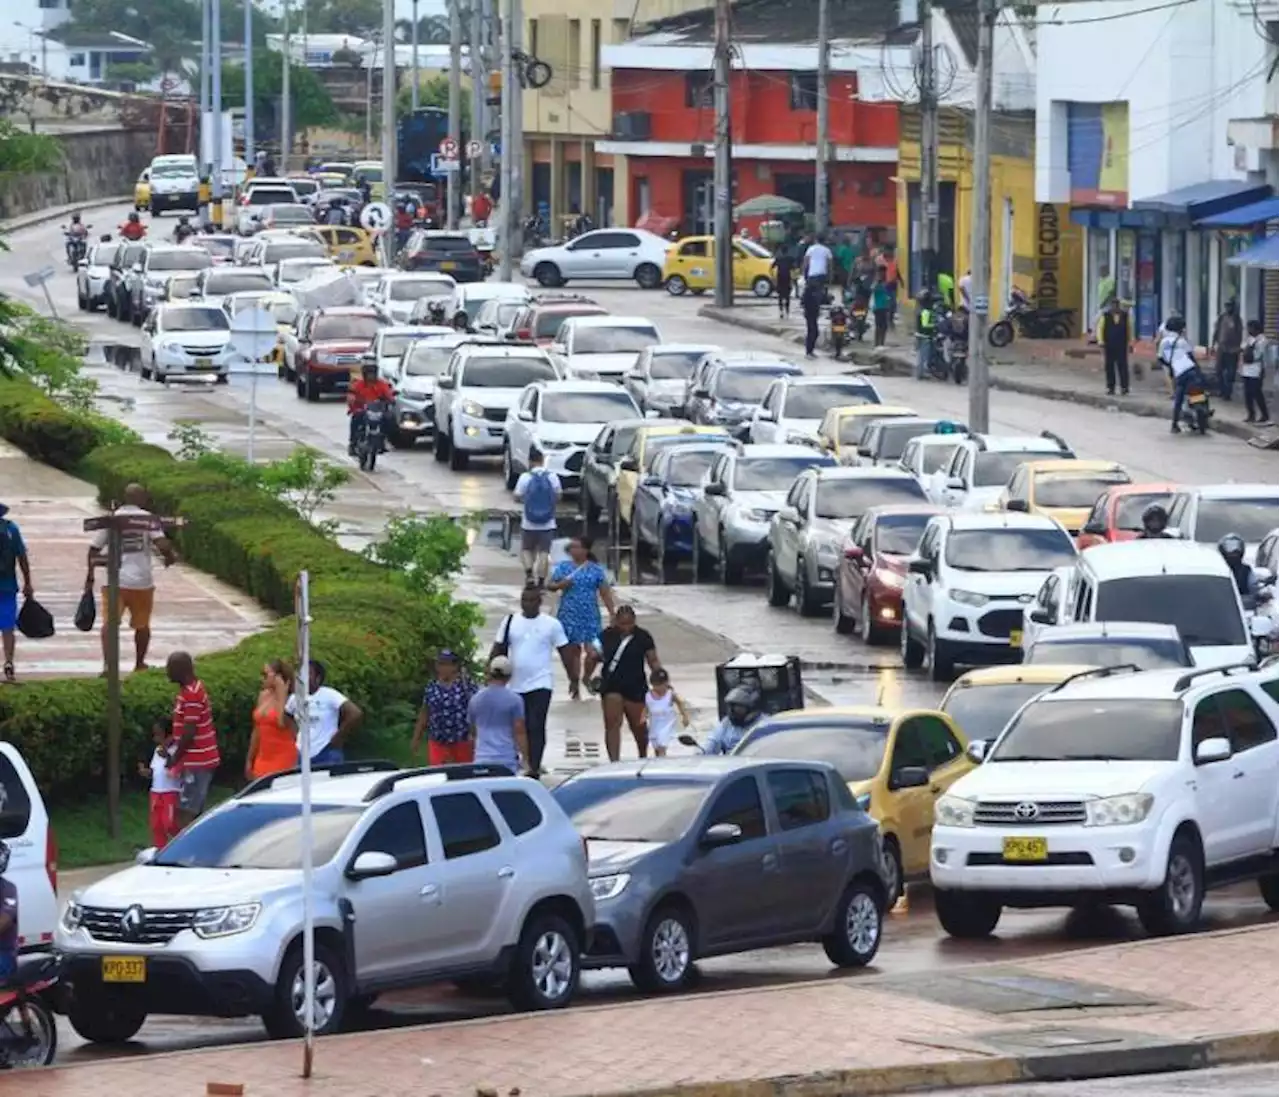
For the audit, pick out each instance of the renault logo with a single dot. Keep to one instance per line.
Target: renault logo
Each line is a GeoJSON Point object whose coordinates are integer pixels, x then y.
{"type": "Point", "coordinates": [131, 922]}
{"type": "Point", "coordinates": [1026, 811]}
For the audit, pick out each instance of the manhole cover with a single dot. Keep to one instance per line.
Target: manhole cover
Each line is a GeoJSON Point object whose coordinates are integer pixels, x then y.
{"type": "Point", "coordinates": [1013, 991]}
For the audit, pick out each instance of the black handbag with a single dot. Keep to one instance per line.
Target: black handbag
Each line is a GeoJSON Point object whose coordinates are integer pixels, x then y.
{"type": "Point", "coordinates": [34, 621]}
{"type": "Point", "coordinates": [86, 611]}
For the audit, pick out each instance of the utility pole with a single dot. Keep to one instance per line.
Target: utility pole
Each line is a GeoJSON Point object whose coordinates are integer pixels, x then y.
{"type": "Point", "coordinates": [477, 58]}
{"type": "Point", "coordinates": [248, 84]}
{"type": "Point", "coordinates": [821, 206]}
{"type": "Point", "coordinates": [516, 196]}
{"type": "Point", "coordinates": [206, 77]}
{"type": "Point", "coordinates": [723, 179]}
{"type": "Point", "coordinates": [368, 96]}
{"type": "Point", "coordinates": [928, 150]}
{"type": "Point", "coordinates": [414, 89]}
{"type": "Point", "coordinates": [286, 104]}
{"type": "Point", "coordinates": [979, 393]}
{"type": "Point", "coordinates": [390, 169]}
{"type": "Point", "coordinates": [216, 104]}
{"type": "Point", "coordinates": [455, 106]}
{"type": "Point", "coordinates": [510, 206]}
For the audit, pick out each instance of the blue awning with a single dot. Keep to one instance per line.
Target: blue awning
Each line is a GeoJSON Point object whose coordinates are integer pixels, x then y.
{"type": "Point", "coordinates": [1264, 255]}
{"type": "Point", "coordinates": [1205, 199]}
{"type": "Point", "coordinates": [1255, 213]}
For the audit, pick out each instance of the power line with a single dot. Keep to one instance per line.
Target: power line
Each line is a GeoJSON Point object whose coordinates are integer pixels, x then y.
{"type": "Point", "coordinates": [1175, 4]}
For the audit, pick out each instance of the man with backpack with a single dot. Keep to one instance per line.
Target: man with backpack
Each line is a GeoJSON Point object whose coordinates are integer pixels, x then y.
{"type": "Point", "coordinates": [13, 558]}
{"type": "Point", "coordinates": [538, 491]}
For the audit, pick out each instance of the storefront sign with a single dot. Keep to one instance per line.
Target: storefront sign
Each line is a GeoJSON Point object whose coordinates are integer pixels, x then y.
{"type": "Point", "coordinates": [1048, 256]}
{"type": "Point", "coordinates": [1098, 154]}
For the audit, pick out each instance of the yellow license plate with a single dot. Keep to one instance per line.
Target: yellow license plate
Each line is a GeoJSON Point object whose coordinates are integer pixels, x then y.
{"type": "Point", "coordinates": [837, 329]}
{"type": "Point", "coordinates": [1026, 849]}
{"type": "Point", "coordinates": [448, 266]}
{"type": "Point", "coordinates": [204, 363]}
{"type": "Point", "coordinates": [1015, 638]}
{"type": "Point", "coordinates": [1197, 398]}
{"type": "Point", "coordinates": [124, 969]}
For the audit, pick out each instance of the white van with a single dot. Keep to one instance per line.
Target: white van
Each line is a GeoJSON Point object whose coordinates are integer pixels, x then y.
{"type": "Point", "coordinates": [33, 852]}
{"type": "Point", "coordinates": [175, 184]}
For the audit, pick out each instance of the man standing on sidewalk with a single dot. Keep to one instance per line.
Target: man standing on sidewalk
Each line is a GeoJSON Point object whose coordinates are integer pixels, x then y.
{"type": "Point", "coordinates": [13, 558]}
{"type": "Point", "coordinates": [195, 754]}
{"type": "Point", "coordinates": [1228, 337]}
{"type": "Point", "coordinates": [1116, 335]}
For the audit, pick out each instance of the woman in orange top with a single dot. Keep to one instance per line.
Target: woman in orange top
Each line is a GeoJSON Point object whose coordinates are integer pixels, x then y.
{"type": "Point", "coordinates": [272, 747]}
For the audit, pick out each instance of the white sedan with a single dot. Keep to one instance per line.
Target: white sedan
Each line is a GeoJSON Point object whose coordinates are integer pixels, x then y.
{"type": "Point", "coordinates": [397, 292]}
{"type": "Point", "coordinates": [187, 340]}
{"type": "Point", "coordinates": [290, 271]}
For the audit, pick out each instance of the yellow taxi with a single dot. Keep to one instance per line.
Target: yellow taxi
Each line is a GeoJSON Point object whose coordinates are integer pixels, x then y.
{"type": "Point", "coordinates": [840, 433]}
{"type": "Point", "coordinates": [337, 169]}
{"type": "Point", "coordinates": [981, 702]}
{"type": "Point", "coordinates": [897, 762]}
{"type": "Point", "coordinates": [1064, 490]}
{"type": "Point", "coordinates": [630, 467]}
{"type": "Point", "coordinates": [349, 247]}
{"type": "Point", "coordinates": [691, 266]}
{"type": "Point", "coordinates": [142, 191]}
{"type": "Point", "coordinates": [370, 170]}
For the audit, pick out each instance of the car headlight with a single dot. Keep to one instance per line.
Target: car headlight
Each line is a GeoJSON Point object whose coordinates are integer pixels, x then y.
{"type": "Point", "coordinates": [72, 916]}
{"type": "Point", "coordinates": [225, 921]}
{"type": "Point", "coordinates": [757, 515]}
{"type": "Point", "coordinates": [609, 887]}
{"type": "Point", "coordinates": [969, 598]}
{"type": "Point", "coordinates": [827, 550]}
{"type": "Point", "coordinates": [327, 359]}
{"type": "Point", "coordinates": [471, 408]}
{"type": "Point", "coordinates": [953, 811]}
{"type": "Point", "coordinates": [890, 578]}
{"type": "Point", "coordinates": [1118, 811]}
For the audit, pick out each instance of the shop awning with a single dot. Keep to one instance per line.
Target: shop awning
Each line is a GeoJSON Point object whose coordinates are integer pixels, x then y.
{"type": "Point", "coordinates": [1255, 213]}
{"type": "Point", "coordinates": [1202, 200]}
{"type": "Point", "coordinates": [1264, 255]}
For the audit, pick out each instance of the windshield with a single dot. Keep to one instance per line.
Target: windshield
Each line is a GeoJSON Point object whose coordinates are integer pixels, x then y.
{"type": "Point", "coordinates": [504, 312]}
{"type": "Point", "coordinates": [393, 346]}
{"type": "Point", "coordinates": [899, 534]}
{"type": "Point", "coordinates": [295, 270]}
{"type": "Point", "coordinates": [983, 711]}
{"type": "Point", "coordinates": [258, 835]}
{"type": "Point", "coordinates": [772, 473]}
{"type": "Point", "coordinates": [587, 407]}
{"type": "Point", "coordinates": [850, 498]}
{"type": "Point", "coordinates": [1203, 608]}
{"type": "Point", "coordinates": [936, 457]}
{"type": "Point", "coordinates": [190, 319]}
{"type": "Point", "coordinates": [992, 470]}
{"type": "Point", "coordinates": [428, 359]}
{"type": "Point", "coordinates": [1251, 519]}
{"type": "Point", "coordinates": [186, 259]}
{"type": "Point", "coordinates": [293, 249]}
{"type": "Point", "coordinates": [613, 340]}
{"type": "Point", "coordinates": [172, 171]}
{"type": "Point", "coordinates": [270, 196]}
{"type": "Point", "coordinates": [345, 327]}
{"type": "Point", "coordinates": [105, 254]}
{"type": "Point", "coordinates": [372, 174]}
{"type": "Point", "coordinates": [686, 470]}
{"type": "Point", "coordinates": [674, 365]}
{"type": "Point", "coordinates": [814, 401]}
{"type": "Point", "coordinates": [1129, 508]}
{"type": "Point", "coordinates": [627, 808]}
{"type": "Point", "coordinates": [447, 243]}
{"type": "Point", "coordinates": [235, 281]}
{"type": "Point", "coordinates": [1010, 550]}
{"type": "Point", "coordinates": [506, 373]}
{"type": "Point", "coordinates": [1102, 729]}
{"type": "Point", "coordinates": [1074, 491]}
{"type": "Point", "coordinates": [655, 446]}
{"type": "Point", "coordinates": [222, 247]}
{"type": "Point", "coordinates": [1148, 653]}
{"type": "Point", "coordinates": [855, 749]}
{"type": "Point", "coordinates": [410, 289]}
{"type": "Point", "coordinates": [752, 248]}
{"type": "Point", "coordinates": [304, 186]}
{"type": "Point", "coordinates": [745, 386]}
{"type": "Point", "coordinates": [892, 438]}
{"type": "Point", "coordinates": [294, 215]}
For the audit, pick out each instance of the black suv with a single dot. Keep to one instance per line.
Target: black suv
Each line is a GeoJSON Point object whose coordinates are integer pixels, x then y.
{"type": "Point", "coordinates": [450, 253]}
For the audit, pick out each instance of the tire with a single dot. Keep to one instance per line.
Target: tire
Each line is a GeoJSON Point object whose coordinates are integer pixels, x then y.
{"type": "Point", "coordinates": [547, 964]}
{"type": "Point", "coordinates": [283, 1022]}
{"type": "Point", "coordinates": [548, 275]}
{"type": "Point", "coordinates": [648, 276]}
{"type": "Point", "coordinates": [82, 302]}
{"type": "Point", "coordinates": [807, 604]}
{"type": "Point", "coordinates": [1202, 420]}
{"type": "Point", "coordinates": [1000, 333]}
{"type": "Point", "coordinates": [42, 1023]}
{"type": "Point", "coordinates": [731, 573]}
{"type": "Point", "coordinates": [960, 371]}
{"type": "Point", "coordinates": [762, 287]}
{"type": "Point", "coordinates": [440, 445]}
{"type": "Point", "coordinates": [666, 951]}
{"type": "Point", "coordinates": [146, 372]}
{"type": "Point", "coordinates": [135, 316]}
{"type": "Point", "coordinates": [677, 286]}
{"type": "Point", "coordinates": [458, 460]}
{"type": "Point", "coordinates": [399, 440]}
{"type": "Point", "coordinates": [110, 305]}
{"type": "Point", "coordinates": [893, 879]}
{"type": "Point", "coordinates": [859, 925]}
{"type": "Point", "coordinates": [867, 628]}
{"type": "Point", "coordinates": [100, 1020]}
{"type": "Point", "coordinates": [775, 592]}
{"type": "Point", "coordinates": [509, 475]}
{"type": "Point", "coordinates": [843, 623]}
{"type": "Point", "coordinates": [371, 459]}
{"type": "Point", "coordinates": [912, 649]}
{"type": "Point", "coordinates": [1267, 887]}
{"type": "Point", "coordinates": [1174, 907]}
{"type": "Point", "coordinates": [941, 669]}
{"type": "Point", "coordinates": [312, 389]}
{"type": "Point", "coordinates": [966, 915]}
{"type": "Point", "coordinates": [1058, 330]}
{"type": "Point", "coordinates": [300, 390]}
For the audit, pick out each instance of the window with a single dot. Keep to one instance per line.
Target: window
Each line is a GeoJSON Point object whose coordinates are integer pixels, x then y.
{"type": "Point", "coordinates": [908, 749]}
{"type": "Point", "coordinates": [399, 833]}
{"type": "Point", "coordinates": [699, 90]}
{"type": "Point", "coordinates": [1207, 723]}
{"type": "Point", "coordinates": [15, 804]}
{"type": "Point", "coordinates": [939, 745]}
{"type": "Point", "coordinates": [800, 796]}
{"type": "Point", "coordinates": [1269, 687]}
{"type": "Point", "coordinates": [804, 91]}
{"type": "Point", "coordinates": [532, 37]}
{"type": "Point", "coordinates": [740, 804]}
{"type": "Point", "coordinates": [694, 247]}
{"type": "Point", "coordinates": [595, 54]}
{"type": "Point", "coordinates": [621, 30]}
{"type": "Point", "coordinates": [575, 52]}
{"type": "Point", "coordinates": [465, 827]}
{"type": "Point", "coordinates": [76, 60]}
{"type": "Point", "coordinates": [1247, 725]}
{"type": "Point", "coordinates": [518, 810]}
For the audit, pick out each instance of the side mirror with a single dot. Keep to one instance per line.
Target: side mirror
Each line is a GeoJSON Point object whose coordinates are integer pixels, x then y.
{"type": "Point", "coordinates": [716, 487]}
{"type": "Point", "coordinates": [1212, 750]}
{"type": "Point", "coordinates": [954, 483]}
{"type": "Point", "coordinates": [1019, 506]}
{"type": "Point", "coordinates": [445, 383]}
{"type": "Point", "coordinates": [629, 464]}
{"type": "Point", "coordinates": [1042, 617]}
{"type": "Point", "coordinates": [855, 553]}
{"type": "Point", "coordinates": [650, 482]}
{"type": "Point", "coordinates": [1173, 531]}
{"type": "Point", "coordinates": [371, 863]}
{"type": "Point", "coordinates": [789, 515]}
{"type": "Point", "coordinates": [525, 415]}
{"type": "Point", "coordinates": [83, 264]}
{"type": "Point", "coordinates": [765, 416]}
{"type": "Point", "coordinates": [721, 834]}
{"type": "Point", "coordinates": [909, 777]}
{"type": "Point", "coordinates": [864, 451]}
{"type": "Point", "coordinates": [977, 751]}
{"type": "Point", "coordinates": [919, 566]}
{"type": "Point", "coordinates": [145, 856]}
{"type": "Point", "coordinates": [511, 337]}
{"type": "Point", "coordinates": [1260, 627]}
{"type": "Point", "coordinates": [1098, 529]}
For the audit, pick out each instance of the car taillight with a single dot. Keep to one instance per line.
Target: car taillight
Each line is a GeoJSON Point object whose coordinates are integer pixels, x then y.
{"type": "Point", "coordinates": [524, 333]}
{"type": "Point", "coordinates": [51, 858]}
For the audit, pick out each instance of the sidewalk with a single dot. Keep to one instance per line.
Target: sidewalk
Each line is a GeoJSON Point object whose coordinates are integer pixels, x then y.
{"type": "Point", "coordinates": [1146, 1006]}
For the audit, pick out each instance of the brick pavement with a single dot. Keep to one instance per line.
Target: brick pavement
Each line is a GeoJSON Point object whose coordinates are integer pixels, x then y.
{"type": "Point", "coordinates": [1209, 986]}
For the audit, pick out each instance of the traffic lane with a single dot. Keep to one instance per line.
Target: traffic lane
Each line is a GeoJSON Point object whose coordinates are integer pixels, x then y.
{"type": "Point", "coordinates": [912, 944]}
{"type": "Point", "coordinates": [1246, 1081]}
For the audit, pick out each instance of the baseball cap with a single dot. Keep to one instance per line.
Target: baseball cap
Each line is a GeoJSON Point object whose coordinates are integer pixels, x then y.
{"type": "Point", "coordinates": [500, 667]}
{"type": "Point", "coordinates": [447, 656]}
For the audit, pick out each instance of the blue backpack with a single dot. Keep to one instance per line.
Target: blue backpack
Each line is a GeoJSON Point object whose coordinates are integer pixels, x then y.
{"type": "Point", "coordinates": [539, 498]}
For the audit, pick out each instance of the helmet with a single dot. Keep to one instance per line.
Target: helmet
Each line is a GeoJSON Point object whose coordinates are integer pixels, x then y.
{"type": "Point", "coordinates": [1175, 324]}
{"type": "Point", "coordinates": [1154, 519]}
{"type": "Point", "coordinates": [461, 320]}
{"type": "Point", "coordinates": [75, 219]}
{"type": "Point", "coordinates": [182, 218]}
{"type": "Point", "coordinates": [4, 857]}
{"type": "Point", "coordinates": [134, 217]}
{"type": "Point", "coordinates": [1232, 547]}
{"type": "Point", "coordinates": [742, 704]}
{"type": "Point", "coordinates": [368, 368]}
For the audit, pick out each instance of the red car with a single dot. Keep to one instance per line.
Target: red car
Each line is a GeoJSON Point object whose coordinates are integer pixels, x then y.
{"type": "Point", "coordinates": [1117, 515]}
{"type": "Point", "coordinates": [873, 567]}
{"type": "Point", "coordinates": [331, 345]}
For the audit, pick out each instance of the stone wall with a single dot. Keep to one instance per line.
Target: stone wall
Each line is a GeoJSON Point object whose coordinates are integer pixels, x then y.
{"type": "Point", "coordinates": [98, 164]}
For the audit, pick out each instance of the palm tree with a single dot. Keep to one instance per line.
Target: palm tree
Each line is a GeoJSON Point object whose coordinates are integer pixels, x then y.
{"type": "Point", "coordinates": [433, 30]}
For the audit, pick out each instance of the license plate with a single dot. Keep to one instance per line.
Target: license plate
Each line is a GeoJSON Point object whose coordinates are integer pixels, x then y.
{"type": "Point", "coordinates": [1197, 398]}
{"type": "Point", "coordinates": [1015, 638]}
{"type": "Point", "coordinates": [837, 329]}
{"type": "Point", "coordinates": [859, 314]}
{"type": "Point", "coordinates": [124, 969]}
{"type": "Point", "coordinates": [1026, 849]}
{"type": "Point", "coordinates": [448, 266]}
{"type": "Point", "coordinates": [204, 363]}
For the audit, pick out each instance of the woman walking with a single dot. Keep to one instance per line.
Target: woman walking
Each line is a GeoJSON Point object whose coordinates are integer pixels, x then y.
{"type": "Point", "coordinates": [272, 746]}
{"type": "Point", "coordinates": [443, 716]}
{"type": "Point", "coordinates": [627, 654]}
{"type": "Point", "coordinates": [584, 585]}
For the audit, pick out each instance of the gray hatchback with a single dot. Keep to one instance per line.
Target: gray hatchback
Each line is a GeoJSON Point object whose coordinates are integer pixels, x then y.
{"type": "Point", "coordinates": [698, 857]}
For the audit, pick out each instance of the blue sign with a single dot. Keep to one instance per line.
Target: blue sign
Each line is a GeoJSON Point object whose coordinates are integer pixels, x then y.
{"type": "Point", "coordinates": [436, 169]}
{"type": "Point", "coordinates": [495, 148]}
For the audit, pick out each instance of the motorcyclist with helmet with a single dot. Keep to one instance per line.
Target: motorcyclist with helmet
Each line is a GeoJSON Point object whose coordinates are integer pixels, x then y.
{"type": "Point", "coordinates": [77, 239]}
{"type": "Point", "coordinates": [741, 711]}
{"type": "Point", "coordinates": [133, 228]}
{"type": "Point", "coordinates": [1155, 523]}
{"type": "Point", "coordinates": [1231, 548]}
{"type": "Point", "coordinates": [369, 389]}
{"type": "Point", "coordinates": [184, 230]}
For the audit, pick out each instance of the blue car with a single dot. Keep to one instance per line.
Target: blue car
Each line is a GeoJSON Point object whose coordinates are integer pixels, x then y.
{"type": "Point", "coordinates": [662, 516]}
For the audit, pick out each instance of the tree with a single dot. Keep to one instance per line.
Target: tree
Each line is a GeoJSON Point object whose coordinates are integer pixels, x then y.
{"type": "Point", "coordinates": [312, 104]}
{"type": "Point", "coordinates": [360, 18]}
{"type": "Point", "coordinates": [132, 72]}
{"type": "Point", "coordinates": [433, 30]}
{"type": "Point", "coordinates": [433, 91]}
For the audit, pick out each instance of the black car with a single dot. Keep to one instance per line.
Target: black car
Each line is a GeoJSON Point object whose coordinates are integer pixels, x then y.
{"type": "Point", "coordinates": [117, 293]}
{"type": "Point", "coordinates": [450, 253]}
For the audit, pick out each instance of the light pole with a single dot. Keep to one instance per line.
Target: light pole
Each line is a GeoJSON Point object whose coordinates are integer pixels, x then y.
{"type": "Point", "coordinates": [248, 84]}
{"type": "Point", "coordinates": [414, 92]}
{"type": "Point", "coordinates": [286, 104]}
{"type": "Point", "coordinates": [215, 49]}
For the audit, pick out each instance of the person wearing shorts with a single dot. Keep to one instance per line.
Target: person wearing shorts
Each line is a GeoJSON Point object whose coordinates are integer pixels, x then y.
{"type": "Point", "coordinates": [196, 756]}
{"type": "Point", "coordinates": [537, 526]}
{"type": "Point", "coordinates": [627, 653]}
{"type": "Point", "coordinates": [443, 719]}
{"type": "Point", "coordinates": [13, 559]}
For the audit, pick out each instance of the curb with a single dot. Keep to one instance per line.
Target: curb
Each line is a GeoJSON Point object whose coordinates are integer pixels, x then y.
{"type": "Point", "coordinates": [56, 213]}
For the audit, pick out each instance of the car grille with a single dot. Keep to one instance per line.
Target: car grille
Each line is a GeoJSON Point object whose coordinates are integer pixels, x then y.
{"type": "Point", "coordinates": [496, 415]}
{"type": "Point", "coordinates": [346, 359]}
{"type": "Point", "coordinates": [1000, 622]}
{"type": "Point", "coordinates": [1028, 813]}
{"type": "Point", "coordinates": [157, 927]}
{"type": "Point", "coordinates": [202, 352]}
{"type": "Point", "coordinates": [1053, 860]}
{"type": "Point", "coordinates": [573, 463]}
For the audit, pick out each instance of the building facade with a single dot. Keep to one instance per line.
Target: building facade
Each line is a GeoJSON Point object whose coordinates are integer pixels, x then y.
{"type": "Point", "coordinates": [23, 26]}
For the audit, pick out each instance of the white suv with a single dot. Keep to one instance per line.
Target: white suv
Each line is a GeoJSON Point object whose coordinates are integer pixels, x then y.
{"type": "Point", "coordinates": [33, 852]}
{"type": "Point", "coordinates": [981, 465]}
{"type": "Point", "coordinates": [422, 875]}
{"type": "Point", "coordinates": [1114, 787]}
{"type": "Point", "coordinates": [794, 407]}
{"type": "Point", "coordinates": [968, 582]}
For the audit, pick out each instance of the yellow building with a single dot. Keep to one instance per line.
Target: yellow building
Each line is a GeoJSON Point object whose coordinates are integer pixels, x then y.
{"type": "Point", "coordinates": [1034, 246]}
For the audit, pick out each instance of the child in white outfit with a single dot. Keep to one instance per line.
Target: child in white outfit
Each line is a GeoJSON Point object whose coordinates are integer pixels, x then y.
{"type": "Point", "coordinates": [663, 705]}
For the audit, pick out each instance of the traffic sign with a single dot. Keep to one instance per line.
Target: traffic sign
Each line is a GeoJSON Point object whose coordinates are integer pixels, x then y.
{"type": "Point", "coordinates": [376, 217]}
{"type": "Point", "coordinates": [441, 165]}
{"type": "Point", "coordinates": [981, 304]}
{"type": "Point", "coordinates": [474, 150]}
{"type": "Point", "coordinates": [448, 149]}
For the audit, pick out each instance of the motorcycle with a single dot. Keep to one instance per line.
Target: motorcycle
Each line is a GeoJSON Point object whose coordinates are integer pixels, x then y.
{"type": "Point", "coordinates": [77, 246]}
{"type": "Point", "coordinates": [1030, 321]}
{"type": "Point", "coordinates": [28, 1032]}
{"type": "Point", "coordinates": [370, 438]}
{"type": "Point", "coordinates": [534, 231]}
{"type": "Point", "coordinates": [1196, 409]}
{"type": "Point", "coordinates": [839, 320]}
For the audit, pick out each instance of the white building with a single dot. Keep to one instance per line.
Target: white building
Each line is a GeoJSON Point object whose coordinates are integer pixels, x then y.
{"type": "Point", "coordinates": [85, 57]}
{"type": "Point", "coordinates": [1137, 108]}
{"type": "Point", "coordinates": [23, 24]}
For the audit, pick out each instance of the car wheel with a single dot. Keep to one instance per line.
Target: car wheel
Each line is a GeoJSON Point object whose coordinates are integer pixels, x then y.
{"type": "Point", "coordinates": [1268, 886]}
{"type": "Point", "coordinates": [1174, 907]}
{"type": "Point", "coordinates": [912, 649]}
{"type": "Point", "coordinates": [762, 286]}
{"type": "Point", "coordinates": [777, 594]}
{"type": "Point", "coordinates": [677, 286]}
{"type": "Point", "coordinates": [867, 629]}
{"type": "Point", "coordinates": [648, 276]}
{"type": "Point", "coordinates": [458, 459]}
{"type": "Point", "coordinates": [111, 306]}
{"type": "Point", "coordinates": [544, 973]}
{"type": "Point", "coordinates": [147, 372]}
{"type": "Point", "coordinates": [440, 444]}
{"type": "Point", "coordinates": [806, 601]}
{"type": "Point", "coordinates": [666, 951]}
{"type": "Point", "coordinates": [399, 440]}
{"type": "Point", "coordinates": [941, 668]}
{"type": "Point", "coordinates": [101, 1019]}
{"type": "Point", "coordinates": [509, 474]}
{"type": "Point", "coordinates": [842, 621]}
{"type": "Point", "coordinates": [966, 915]}
{"type": "Point", "coordinates": [893, 879]}
{"type": "Point", "coordinates": [312, 389]}
{"type": "Point", "coordinates": [300, 389]}
{"type": "Point", "coordinates": [855, 937]}
{"type": "Point", "coordinates": [287, 1018]}
{"type": "Point", "coordinates": [730, 570]}
{"type": "Point", "coordinates": [82, 302]}
{"type": "Point", "coordinates": [548, 275]}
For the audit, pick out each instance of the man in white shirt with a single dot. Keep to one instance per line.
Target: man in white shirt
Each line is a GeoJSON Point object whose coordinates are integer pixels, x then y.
{"type": "Point", "coordinates": [137, 583]}
{"type": "Point", "coordinates": [816, 265]}
{"type": "Point", "coordinates": [531, 639]}
{"type": "Point", "coordinates": [1176, 353]}
{"type": "Point", "coordinates": [331, 718]}
{"type": "Point", "coordinates": [539, 491]}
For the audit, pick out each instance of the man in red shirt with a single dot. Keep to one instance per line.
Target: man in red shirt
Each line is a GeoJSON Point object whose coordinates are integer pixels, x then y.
{"type": "Point", "coordinates": [196, 755]}
{"type": "Point", "coordinates": [481, 207]}
{"type": "Point", "coordinates": [133, 228]}
{"type": "Point", "coordinates": [370, 388]}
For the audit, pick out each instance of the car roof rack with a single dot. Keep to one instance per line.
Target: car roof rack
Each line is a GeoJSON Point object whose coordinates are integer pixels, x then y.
{"type": "Point", "coordinates": [331, 769]}
{"type": "Point", "coordinates": [471, 771]}
{"type": "Point", "coordinates": [1052, 437]}
{"type": "Point", "coordinates": [1202, 672]}
{"type": "Point", "coordinates": [1097, 672]}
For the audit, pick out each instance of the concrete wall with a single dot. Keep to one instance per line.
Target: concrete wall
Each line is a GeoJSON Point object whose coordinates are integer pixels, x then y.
{"type": "Point", "coordinates": [98, 164]}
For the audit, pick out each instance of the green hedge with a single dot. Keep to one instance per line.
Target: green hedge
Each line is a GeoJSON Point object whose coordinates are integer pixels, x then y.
{"type": "Point", "coordinates": [372, 632]}
{"type": "Point", "coordinates": [45, 429]}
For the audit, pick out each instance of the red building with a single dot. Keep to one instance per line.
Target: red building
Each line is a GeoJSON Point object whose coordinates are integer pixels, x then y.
{"type": "Point", "coordinates": [664, 116]}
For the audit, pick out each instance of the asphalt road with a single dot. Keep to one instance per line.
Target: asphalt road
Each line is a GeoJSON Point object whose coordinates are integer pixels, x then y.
{"type": "Point", "coordinates": [414, 480]}
{"type": "Point", "coordinates": [1249, 1081]}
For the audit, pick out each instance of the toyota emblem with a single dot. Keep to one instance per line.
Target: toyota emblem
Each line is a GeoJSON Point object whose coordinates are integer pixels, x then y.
{"type": "Point", "coordinates": [131, 922]}
{"type": "Point", "coordinates": [1026, 811]}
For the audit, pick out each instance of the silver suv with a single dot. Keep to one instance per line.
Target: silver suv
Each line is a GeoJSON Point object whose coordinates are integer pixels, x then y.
{"type": "Point", "coordinates": [421, 875]}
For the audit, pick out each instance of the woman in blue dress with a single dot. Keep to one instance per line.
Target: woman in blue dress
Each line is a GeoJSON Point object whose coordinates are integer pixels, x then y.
{"type": "Point", "coordinates": [583, 584]}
